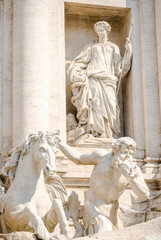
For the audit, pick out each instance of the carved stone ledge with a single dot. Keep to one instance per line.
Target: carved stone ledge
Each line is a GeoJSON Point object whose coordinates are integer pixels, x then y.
{"type": "Point", "coordinates": [151, 166]}
{"type": "Point", "coordinates": [18, 236]}
{"type": "Point", "coordinates": [144, 231]}
{"type": "Point", "coordinates": [96, 142]}
{"type": "Point", "coordinates": [152, 172]}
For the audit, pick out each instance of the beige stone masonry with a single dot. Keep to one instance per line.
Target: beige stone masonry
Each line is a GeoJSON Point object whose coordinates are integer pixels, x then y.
{"type": "Point", "coordinates": [30, 68]}
{"type": "Point", "coordinates": [149, 78]}
{"type": "Point", "coordinates": [6, 77]}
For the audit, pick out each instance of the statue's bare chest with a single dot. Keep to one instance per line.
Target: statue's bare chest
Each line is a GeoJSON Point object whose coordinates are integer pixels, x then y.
{"type": "Point", "coordinates": [106, 174]}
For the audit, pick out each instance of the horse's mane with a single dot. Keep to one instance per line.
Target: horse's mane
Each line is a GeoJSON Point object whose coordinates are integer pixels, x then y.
{"type": "Point", "coordinates": [56, 187]}
{"type": "Point", "coordinates": [9, 169]}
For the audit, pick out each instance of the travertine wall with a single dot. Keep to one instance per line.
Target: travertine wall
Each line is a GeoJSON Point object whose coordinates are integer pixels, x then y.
{"type": "Point", "coordinates": [57, 84]}
{"type": "Point", "coordinates": [133, 94]}
{"type": "Point", "coordinates": [150, 79]}
{"type": "Point", "coordinates": [34, 97]}
{"type": "Point", "coordinates": [33, 79]}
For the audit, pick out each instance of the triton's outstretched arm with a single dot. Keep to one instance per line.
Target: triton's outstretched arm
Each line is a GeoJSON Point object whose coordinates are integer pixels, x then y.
{"type": "Point", "coordinates": [91, 158]}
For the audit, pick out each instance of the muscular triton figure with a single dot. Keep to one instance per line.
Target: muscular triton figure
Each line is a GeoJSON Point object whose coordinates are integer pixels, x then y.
{"type": "Point", "coordinates": [112, 172]}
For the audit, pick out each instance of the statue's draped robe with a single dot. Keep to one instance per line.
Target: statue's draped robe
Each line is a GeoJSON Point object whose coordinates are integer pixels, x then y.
{"type": "Point", "coordinates": [94, 75]}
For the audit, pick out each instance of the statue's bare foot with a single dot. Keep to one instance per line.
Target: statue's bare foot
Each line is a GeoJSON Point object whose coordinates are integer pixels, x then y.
{"type": "Point", "coordinates": [95, 134]}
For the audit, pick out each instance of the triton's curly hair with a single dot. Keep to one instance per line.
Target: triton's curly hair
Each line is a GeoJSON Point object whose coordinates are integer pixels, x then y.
{"type": "Point", "coordinates": [106, 25]}
{"type": "Point", "coordinates": [123, 140]}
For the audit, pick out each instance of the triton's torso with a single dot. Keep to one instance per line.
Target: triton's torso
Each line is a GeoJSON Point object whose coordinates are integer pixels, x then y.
{"type": "Point", "coordinates": [107, 182]}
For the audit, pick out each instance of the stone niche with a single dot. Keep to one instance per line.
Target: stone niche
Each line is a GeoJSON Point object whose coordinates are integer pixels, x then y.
{"type": "Point", "coordinates": [79, 22]}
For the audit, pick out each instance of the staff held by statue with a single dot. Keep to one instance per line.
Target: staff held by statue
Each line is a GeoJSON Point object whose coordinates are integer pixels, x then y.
{"type": "Point", "coordinates": [124, 58]}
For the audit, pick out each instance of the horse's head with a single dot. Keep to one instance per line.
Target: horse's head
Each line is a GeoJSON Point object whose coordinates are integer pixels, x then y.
{"type": "Point", "coordinates": [40, 147]}
{"type": "Point", "coordinates": [44, 150]}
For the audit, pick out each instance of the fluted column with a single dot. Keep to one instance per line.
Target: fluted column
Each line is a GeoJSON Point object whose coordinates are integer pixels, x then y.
{"type": "Point", "coordinates": [150, 79]}
{"type": "Point", "coordinates": [30, 68]}
{"type": "Point", "coordinates": [5, 76]}
{"type": "Point", "coordinates": [1, 69]}
{"type": "Point", "coordinates": [158, 38]}
{"type": "Point", "coordinates": [57, 83]}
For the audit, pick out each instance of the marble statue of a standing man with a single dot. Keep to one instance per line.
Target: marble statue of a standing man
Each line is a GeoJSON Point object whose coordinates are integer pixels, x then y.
{"type": "Point", "coordinates": [94, 76]}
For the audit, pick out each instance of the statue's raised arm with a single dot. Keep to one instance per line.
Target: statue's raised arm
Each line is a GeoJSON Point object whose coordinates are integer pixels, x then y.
{"type": "Point", "coordinates": [91, 158]}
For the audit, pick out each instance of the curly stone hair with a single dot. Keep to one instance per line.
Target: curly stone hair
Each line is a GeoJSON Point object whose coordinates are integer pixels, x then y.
{"type": "Point", "coordinates": [123, 140]}
{"type": "Point", "coordinates": [106, 25]}
{"type": "Point", "coordinates": [10, 166]}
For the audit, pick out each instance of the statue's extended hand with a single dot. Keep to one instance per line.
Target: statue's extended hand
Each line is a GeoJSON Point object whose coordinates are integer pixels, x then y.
{"type": "Point", "coordinates": [78, 75]}
{"type": "Point", "coordinates": [57, 140]}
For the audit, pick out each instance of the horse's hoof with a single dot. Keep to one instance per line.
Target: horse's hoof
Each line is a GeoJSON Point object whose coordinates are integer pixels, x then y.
{"type": "Point", "coordinates": [44, 235]}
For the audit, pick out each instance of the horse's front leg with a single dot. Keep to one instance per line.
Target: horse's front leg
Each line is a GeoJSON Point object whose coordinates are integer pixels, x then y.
{"type": "Point", "coordinates": [57, 215]}
{"type": "Point", "coordinates": [37, 223]}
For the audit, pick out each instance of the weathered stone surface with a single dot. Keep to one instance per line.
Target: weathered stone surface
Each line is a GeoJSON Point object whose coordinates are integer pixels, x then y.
{"type": "Point", "coordinates": [27, 236]}
{"type": "Point", "coordinates": [18, 235]}
{"type": "Point", "coordinates": [150, 230]}
{"type": "Point", "coordinates": [33, 41]}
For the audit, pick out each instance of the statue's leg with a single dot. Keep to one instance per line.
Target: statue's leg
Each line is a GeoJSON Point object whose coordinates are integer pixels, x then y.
{"type": "Point", "coordinates": [119, 223]}
{"type": "Point", "coordinates": [50, 220]}
{"type": "Point", "coordinates": [57, 215]}
{"type": "Point", "coordinates": [115, 215]}
{"type": "Point", "coordinates": [94, 220]}
{"type": "Point", "coordinates": [36, 222]}
{"type": "Point", "coordinates": [3, 227]}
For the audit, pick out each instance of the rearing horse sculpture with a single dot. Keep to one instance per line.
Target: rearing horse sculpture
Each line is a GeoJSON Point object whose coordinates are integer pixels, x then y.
{"type": "Point", "coordinates": [27, 205]}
